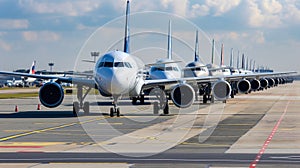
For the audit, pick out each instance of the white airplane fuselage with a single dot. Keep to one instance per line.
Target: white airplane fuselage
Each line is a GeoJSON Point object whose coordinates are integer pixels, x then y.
{"type": "Point", "coordinates": [196, 69]}
{"type": "Point", "coordinates": [117, 74]}
{"type": "Point", "coordinates": [165, 70]}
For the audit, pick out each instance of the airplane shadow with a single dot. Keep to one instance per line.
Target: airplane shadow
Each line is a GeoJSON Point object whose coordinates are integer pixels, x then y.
{"type": "Point", "coordinates": [39, 114]}
{"type": "Point", "coordinates": [110, 104]}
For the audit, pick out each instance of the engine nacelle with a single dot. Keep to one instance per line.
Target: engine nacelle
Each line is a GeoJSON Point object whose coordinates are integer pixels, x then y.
{"type": "Point", "coordinates": [51, 94]}
{"type": "Point", "coordinates": [183, 95]}
{"type": "Point", "coordinates": [244, 86]}
{"type": "Point", "coordinates": [221, 90]}
{"type": "Point", "coordinates": [255, 84]}
{"type": "Point", "coordinates": [276, 80]}
{"type": "Point", "coordinates": [271, 82]}
{"type": "Point", "coordinates": [264, 83]}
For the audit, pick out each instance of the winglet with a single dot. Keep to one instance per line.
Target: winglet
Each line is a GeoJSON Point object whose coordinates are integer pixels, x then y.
{"type": "Point", "coordinates": [170, 42]}
{"type": "Point", "coordinates": [197, 58]}
{"type": "Point", "coordinates": [32, 68]}
{"type": "Point", "coordinates": [127, 34]}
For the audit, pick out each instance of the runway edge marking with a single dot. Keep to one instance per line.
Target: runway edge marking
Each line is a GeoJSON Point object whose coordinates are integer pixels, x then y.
{"type": "Point", "coordinates": [253, 164]}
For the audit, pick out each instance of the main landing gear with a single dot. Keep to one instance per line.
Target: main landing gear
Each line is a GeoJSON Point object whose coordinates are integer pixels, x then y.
{"type": "Point", "coordinates": [85, 106]}
{"type": "Point", "coordinates": [161, 102]}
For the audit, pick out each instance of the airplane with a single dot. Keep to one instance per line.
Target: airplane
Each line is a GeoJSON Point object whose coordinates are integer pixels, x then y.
{"type": "Point", "coordinates": [24, 80]}
{"type": "Point", "coordinates": [117, 74]}
{"type": "Point", "coordinates": [165, 68]}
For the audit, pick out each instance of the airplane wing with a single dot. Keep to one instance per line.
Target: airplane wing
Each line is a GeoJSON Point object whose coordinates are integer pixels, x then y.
{"type": "Point", "coordinates": [74, 80]}
{"type": "Point", "coordinates": [257, 75]}
{"type": "Point", "coordinates": [162, 82]}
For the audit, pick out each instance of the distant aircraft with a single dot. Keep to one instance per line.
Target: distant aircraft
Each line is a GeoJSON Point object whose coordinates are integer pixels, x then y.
{"type": "Point", "coordinates": [165, 68]}
{"type": "Point", "coordinates": [117, 74]}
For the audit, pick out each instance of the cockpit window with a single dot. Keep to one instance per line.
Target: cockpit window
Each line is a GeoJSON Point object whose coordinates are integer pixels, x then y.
{"type": "Point", "coordinates": [165, 69]}
{"type": "Point", "coordinates": [108, 64]}
{"type": "Point", "coordinates": [127, 64]}
{"type": "Point", "coordinates": [119, 64]}
{"type": "Point", "coordinates": [114, 64]}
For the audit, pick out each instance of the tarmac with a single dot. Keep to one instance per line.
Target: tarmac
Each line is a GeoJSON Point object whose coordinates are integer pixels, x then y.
{"type": "Point", "coordinates": [260, 129]}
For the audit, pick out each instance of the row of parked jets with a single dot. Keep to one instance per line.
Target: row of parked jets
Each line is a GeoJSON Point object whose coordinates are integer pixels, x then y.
{"type": "Point", "coordinates": [117, 74]}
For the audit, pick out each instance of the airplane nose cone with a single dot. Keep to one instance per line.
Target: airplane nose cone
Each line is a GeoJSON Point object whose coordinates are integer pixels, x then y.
{"type": "Point", "coordinates": [114, 82]}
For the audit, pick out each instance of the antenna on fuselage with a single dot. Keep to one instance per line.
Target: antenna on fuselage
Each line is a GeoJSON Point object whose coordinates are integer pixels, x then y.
{"type": "Point", "coordinates": [169, 42]}
{"type": "Point", "coordinates": [127, 34]}
{"type": "Point", "coordinates": [197, 58]}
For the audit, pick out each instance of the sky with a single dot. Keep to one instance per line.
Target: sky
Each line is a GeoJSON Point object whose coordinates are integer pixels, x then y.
{"type": "Point", "coordinates": [266, 31]}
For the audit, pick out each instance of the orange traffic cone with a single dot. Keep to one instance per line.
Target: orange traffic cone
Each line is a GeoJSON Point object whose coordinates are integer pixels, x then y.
{"type": "Point", "coordinates": [39, 106]}
{"type": "Point", "coordinates": [16, 108]}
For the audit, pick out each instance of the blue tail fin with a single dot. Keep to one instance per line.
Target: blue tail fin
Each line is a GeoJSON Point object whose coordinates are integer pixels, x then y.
{"type": "Point", "coordinates": [127, 34]}
{"type": "Point", "coordinates": [170, 42]}
{"type": "Point", "coordinates": [222, 55]}
{"type": "Point", "coordinates": [243, 61]}
{"type": "Point", "coordinates": [197, 58]}
{"type": "Point", "coordinates": [213, 51]}
{"type": "Point", "coordinates": [238, 60]}
{"type": "Point", "coordinates": [231, 58]}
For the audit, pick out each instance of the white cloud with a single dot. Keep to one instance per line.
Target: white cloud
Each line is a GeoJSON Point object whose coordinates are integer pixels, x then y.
{"type": "Point", "coordinates": [199, 10]}
{"type": "Point", "coordinates": [67, 7]}
{"type": "Point", "coordinates": [256, 37]}
{"type": "Point", "coordinates": [14, 24]}
{"type": "Point", "coordinates": [222, 6]}
{"type": "Point", "coordinates": [292, 12]}
{"type": "Point", "coordinates": [264, 13]}
{"type": "Point", "coordinates": [40, 36]}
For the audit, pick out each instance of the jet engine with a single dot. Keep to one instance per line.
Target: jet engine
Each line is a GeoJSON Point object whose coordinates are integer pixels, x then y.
{"type": "Point", "coordinates": [221, 90]}
{"type": "Point", "coordinates": [255, 84]}
{"type": "Point", "coordinates": [51, 94]}
{"type": "Point", "coordinates": [264, 83]}
{"type": "Point", "coordinates": [183, 95]}
{"type": "Point", "coordinates": [271, 82]}
{"type": "Point", "coordinates": [276, 80]}
{"type": "Point", "coordinates": [244, 86]}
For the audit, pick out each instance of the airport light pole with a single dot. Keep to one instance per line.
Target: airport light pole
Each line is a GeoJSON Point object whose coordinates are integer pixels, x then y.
{"type": "Point", "coordinates": [51, 64]}
{"type": "Point", "coordinates": [95, 54]}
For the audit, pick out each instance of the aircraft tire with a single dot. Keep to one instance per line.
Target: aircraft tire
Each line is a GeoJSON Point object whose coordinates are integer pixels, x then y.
{"type": "Point", "coordinates": [86, 108]}
{"type": "Point", "coordinates": [111, 113]}
{"type": "Point", "coordinates": [142, 99]}
{"type": "Point", "coordinates": [75, 108]}
{"type": "Point", "coordinates": [204, 99]}
{"type": "Point", "coordinates": [155, 108]}
{"type": "Point", "coordinates": [118, 112]}
{"type": "Point", "coordinates": [134, 100]}
{"type": "Point", "coordinates": [166, 109]}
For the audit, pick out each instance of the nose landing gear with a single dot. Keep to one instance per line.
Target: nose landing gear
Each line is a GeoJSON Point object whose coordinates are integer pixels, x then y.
{"type": "Point", "coordinates": [115, 110]}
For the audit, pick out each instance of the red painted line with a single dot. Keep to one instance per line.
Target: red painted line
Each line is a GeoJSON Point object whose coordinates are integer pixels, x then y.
{"type": "Point", "coordinates": [21, 146]}
{"type": "Point", "coordinates": [268, 140]}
